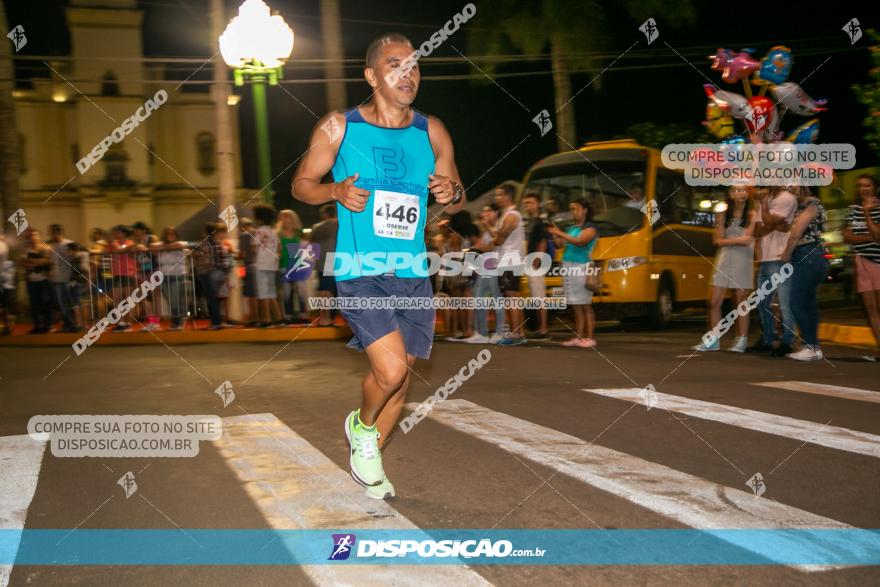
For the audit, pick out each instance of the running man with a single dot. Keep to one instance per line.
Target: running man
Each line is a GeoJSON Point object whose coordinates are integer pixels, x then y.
{"type": "Point", "coordinates": [384, 158]}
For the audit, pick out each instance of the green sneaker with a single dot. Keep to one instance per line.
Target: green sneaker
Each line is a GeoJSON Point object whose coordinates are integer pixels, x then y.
{"type": "Point", "coordinates": [366, 459]}
{"type": "Point", "coordinates": [384, 490]}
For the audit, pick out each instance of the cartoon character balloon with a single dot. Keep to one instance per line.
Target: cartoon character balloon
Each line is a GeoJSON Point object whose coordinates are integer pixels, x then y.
{"type": "Point", "coordinates": [772, 134]}
{"type": "Point", "coordinates": [721, 58]}
{"type": "Point", "coordinates": [761, 110]}
{"type": "Point", "coordinates": [805, 134]}
{"type": "Point", "coordinates": [734, 104]}
{"type": "Point", "coordinates": [775, 67]}
{"type": "Point", "coordinates": [793, 98]}
{"type": "Point", "coordinates": [717, 122]}
{"type": "Point", "coordinates": [734, 66]}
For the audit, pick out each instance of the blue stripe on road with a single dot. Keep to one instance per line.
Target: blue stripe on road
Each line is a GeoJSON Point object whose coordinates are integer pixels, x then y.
{"type": "Point", "coordinates": [570, 547]}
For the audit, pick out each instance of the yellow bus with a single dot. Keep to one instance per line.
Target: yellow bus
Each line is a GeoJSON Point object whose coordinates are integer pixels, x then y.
{"type": "Point", "coordinates": [655, 249]}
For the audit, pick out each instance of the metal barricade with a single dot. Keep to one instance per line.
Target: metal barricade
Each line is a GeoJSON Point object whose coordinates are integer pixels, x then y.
{"type": "Point", "coordinates": [113, 276]}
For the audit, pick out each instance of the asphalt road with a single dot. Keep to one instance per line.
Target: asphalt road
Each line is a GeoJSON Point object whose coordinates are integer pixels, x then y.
{"type": "Point", "coordinates": [497, 454]}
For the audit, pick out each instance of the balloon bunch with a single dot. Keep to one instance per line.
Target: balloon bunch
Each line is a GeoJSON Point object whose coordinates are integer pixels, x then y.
{"type": "Point", "coordinates": [762, 116]}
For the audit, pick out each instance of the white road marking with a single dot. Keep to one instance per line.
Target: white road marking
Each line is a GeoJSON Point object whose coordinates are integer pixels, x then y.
{"type": "Point", "coordinates": [296, 487]}
{"type": "Point", "coordinates": [831, 436]}
{"type": "Point", "coordinates": [687, 499]}
{"type": "Point", "coordinates": [21, 458]}
{"type": "Point", "coordinates": [854, 393]}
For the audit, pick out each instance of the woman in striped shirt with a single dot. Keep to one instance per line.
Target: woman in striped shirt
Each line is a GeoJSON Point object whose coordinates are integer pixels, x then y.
{"type": "Point", "coordinates": [862, 231]}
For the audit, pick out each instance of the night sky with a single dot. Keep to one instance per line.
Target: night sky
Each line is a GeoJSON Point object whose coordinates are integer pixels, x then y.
{"type": "Point", "coordinates": [484, 121]}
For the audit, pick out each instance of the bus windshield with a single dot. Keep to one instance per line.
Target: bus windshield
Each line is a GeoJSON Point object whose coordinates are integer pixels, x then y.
{"type": "Point", "coordinates": [615, 189]}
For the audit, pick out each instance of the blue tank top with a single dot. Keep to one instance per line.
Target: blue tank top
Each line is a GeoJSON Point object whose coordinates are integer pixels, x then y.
{"type": "Point", "coordinates": [394, 164]}
{"type": "Point", "coordinates": [574, 253]}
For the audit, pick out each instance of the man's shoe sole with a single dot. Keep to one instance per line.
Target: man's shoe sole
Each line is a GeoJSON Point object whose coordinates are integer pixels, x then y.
{"type": "Point", "coordinates": [369, 493]}
{"type": "Point", "coordinates": [351, 458]}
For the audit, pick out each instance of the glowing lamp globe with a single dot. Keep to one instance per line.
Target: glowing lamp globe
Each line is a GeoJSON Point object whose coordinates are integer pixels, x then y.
{"type": "Point", "coordinates": [256, 38]}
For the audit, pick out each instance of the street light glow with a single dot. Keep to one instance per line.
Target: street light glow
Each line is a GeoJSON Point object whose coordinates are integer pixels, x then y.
{"type": "Point", "coordinates": [255, 35]}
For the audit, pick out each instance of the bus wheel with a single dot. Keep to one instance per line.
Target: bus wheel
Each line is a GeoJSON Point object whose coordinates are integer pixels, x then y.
{"type": "Point", "coordinates": [661, 310]}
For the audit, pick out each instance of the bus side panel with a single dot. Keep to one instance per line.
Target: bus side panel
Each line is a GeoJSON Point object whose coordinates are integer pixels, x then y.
{"type": "Point", "coordinates": [688, 254]}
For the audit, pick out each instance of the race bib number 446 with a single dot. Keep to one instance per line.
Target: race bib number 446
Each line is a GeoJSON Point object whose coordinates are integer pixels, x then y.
{"type": "Point", "coordinates": [395, 215]}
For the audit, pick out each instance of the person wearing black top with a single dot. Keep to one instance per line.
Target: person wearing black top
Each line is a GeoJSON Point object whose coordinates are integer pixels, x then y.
{"type": "Point", "coordinates": [37, 264]}
{"type": "Point", "coordinates": [805, 251]}
{"type": "Point", "coordinates": [536, 242]}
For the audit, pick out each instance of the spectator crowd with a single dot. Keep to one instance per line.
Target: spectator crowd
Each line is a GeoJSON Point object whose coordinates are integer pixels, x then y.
{"type": "Point", "coordinates": [73, 284]}
{"type": "Point", "coordinates": [68, 285]}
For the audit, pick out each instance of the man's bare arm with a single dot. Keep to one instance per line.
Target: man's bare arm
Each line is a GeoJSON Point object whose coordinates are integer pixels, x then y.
{"type": "Point", "coordinates": [770, 221]}
{"type": "Point", "coordinates": [508, 225]}
{"type": "Point", "coordinates": [445, 170]}
{"type": "Point", "coordinates": [318, 161]}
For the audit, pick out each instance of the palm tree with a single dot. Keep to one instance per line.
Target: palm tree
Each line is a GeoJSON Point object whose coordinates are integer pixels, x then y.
{"type": "Point", "coordinates": [10, 162]}
{"type": "Point", "coordinates": [574, 32]}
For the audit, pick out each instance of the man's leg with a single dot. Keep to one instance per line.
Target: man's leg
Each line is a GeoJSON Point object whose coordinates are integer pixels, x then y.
{"type": "Point", "coordinates": [387, 374]}
{"type": "Point", "coordinates": [538, 289]}
{"type": "Point", "coordinates": [62, 298]}
{"type": "Point", "coordinates": [389, 370]}
{"type": "Point", "coordinates": [765, 308]}
{"type": "Point", "coordinates": [518, 319]}
{"type": "Point", "coordinates": [783, 295]}
{"type": "Point", "coordinates": [324, 318]}
{"type": "Point", "coordinates": [516, 316]}
{"type": "Point", "coordinates": [389, 414]}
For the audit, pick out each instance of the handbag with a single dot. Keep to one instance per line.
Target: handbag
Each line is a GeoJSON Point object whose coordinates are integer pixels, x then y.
{"type": "Point", "coordinates": [594, 277]}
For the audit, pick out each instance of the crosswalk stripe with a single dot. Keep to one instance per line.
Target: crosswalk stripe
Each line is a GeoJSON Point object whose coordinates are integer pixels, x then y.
{"type": "Point", "coordinates": [296, 487]}
{"type": "Point", "coordinates": [22, 458]}
{"type": "Point", "coordinates": [690, 500]}
{"type": "Point", "coordinates": [854, 393]}
{"type": "Point", "coordinates": [831, 436]}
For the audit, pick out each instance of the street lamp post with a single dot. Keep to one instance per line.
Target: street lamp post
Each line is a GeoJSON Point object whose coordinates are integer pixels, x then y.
{"type": "Point", "coordinates": [256, 45]}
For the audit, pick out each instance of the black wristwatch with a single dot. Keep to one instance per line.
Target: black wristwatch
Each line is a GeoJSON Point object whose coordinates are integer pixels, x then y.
{"type": "Point", "coordinates": [458, 192]}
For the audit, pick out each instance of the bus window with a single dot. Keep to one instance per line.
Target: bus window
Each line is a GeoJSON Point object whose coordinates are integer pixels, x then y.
{"type": "Point", "coordinates": [703, 202]}
{"type": "Point", "coordinates": [668, 197]}
{"type": "Point", "coordinates": [606, 185]}
{"type": "Point", "coordinates": [682, 204]}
